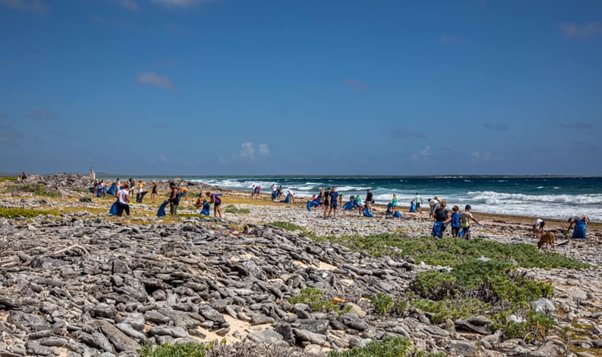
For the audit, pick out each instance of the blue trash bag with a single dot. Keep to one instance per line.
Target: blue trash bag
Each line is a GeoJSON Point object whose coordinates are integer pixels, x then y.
{"type": "Point", "coordinates": [114, 208]}
{"type": "Point", "coordinates": [161, 211]}
{"type": "Point", "coordinates": [397, 214]}
{"type": "Point", "coordinates": [367, 213]}
{"type": "Point", "coordinates": [98, 192]}
{"type": "Point", "coordinates": [437, 230]}
{"type": "Point", "coordinates": [112, 190]}
{"type": "Point", "coordinates": [349, 206]}
{"type": "Point", "coordinates": [274, 195]}
{"type": "Point", "coordinates": [580, 230]}
{"type": "Point", "coordinates": [312, 204]}
{"type": "Point", "coordinates": [206, 208]}
{"type": "Point", "coordinates": [413, 206]}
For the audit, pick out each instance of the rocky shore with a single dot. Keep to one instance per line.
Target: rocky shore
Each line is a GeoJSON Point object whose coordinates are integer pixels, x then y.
{"type": "Point", "coordinates": [82, 284]}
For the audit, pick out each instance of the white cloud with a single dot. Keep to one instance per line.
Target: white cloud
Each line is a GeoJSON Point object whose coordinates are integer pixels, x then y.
{"type": "Point", "coordinates": [34, 6]}
{"type": "Point", "coordinates": [131, 5]}
{"type": "Point", "coordinates": [589, 30]}
{"type": "Point", "coordinates": [163, 158]}
{"type": "Point", "coordinates": [248, 151]}
{"type": "Point", "coordinates": [264, 149]}
{"type": "Point", "coordinates": [155, 79]}
{"type": "Point", "coordinates": [482, 156]}
{"type": "Point", "coordinates": [424, 154]}
{"type": "Point", "coordinates": [182, 3]}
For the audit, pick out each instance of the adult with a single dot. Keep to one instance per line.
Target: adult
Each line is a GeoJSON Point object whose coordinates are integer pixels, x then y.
{"type": "Point", "coordinates": [321, 196]}
{"type": "Point", "coordinates": [334, 202]}
{"type": "Point", "coordinates": [154, 192]}
{"type": "Point", "coordinates": [538, 227]}
{"type": "Point", "coordinates": [433, 204]}
{"type": "Point", "coordinates": [369, 199]}
{"type": "Point", "coordinates": [579, 226]}
{"type": "Point", "coordinates": [394, 202]}
{"type": "Point", "coordinates": [184, 193]}
{"type": "Point", "coordinates": [441, 219]}
{"type": "Point", "coordinates": [418, 201]}
{"type": "Point", "coordinates": [174, 199]}
{"type": "Point", "coordinates": [217, 202]}
{"type": "Point", "coordinates": [326, 202]}
{"type": "Point", "coordinates": [123, 203]}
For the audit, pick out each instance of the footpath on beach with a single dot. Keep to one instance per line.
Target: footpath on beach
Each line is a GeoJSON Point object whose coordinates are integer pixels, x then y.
{"type": "Point", "coordinates": [274, 280]}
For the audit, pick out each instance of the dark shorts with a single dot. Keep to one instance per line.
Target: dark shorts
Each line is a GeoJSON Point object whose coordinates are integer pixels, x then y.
{"type": "Point", "coordinates": [217, 204]}
{"type": "Point", "coordinates": [417, 205]}
{"type": "Point", "coordinates": [334, 205]}
{"type": "Point", "coordinates": [455, 231]}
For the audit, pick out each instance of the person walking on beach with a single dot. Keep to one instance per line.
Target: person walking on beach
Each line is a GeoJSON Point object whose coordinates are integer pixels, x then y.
{"type": "Point", "coordinates": [369, 200]}
{"type": "Point", "coordinates": [154, 192]}
{"type": "Point", "coordinates": [184, 193]}
{"type": "Point", "coordinates": [359, 205]}
{"type": "Point", "coordinates": [418, 202]}
{"type": "Point", "coordinates": [174, 199]}
{"type": "Point", "coordinates": [441, 219]}
{"type": "Point", "coordinates": [321, 196]}
{"type": "Point", "coordinates": [465, 219]}
{"type": "Point", "coordinates": [334, 202]}
{"type": "Point", "coordinates": [394, 202]}
{"type": "Point", "coordinates": [326, 202]}
{"type": "Point", "coordinates": [217, 202]}
{"type": "Point", "coordinates": [455, 221]}
{"type": "Point", "coordinates": [103, 188]}
{"type": "Point", "coordinates": [123, 203]}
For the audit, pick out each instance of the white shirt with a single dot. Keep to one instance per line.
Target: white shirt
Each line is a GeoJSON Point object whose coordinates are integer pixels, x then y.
{"type": "Point", "coordinates": [123, 195]}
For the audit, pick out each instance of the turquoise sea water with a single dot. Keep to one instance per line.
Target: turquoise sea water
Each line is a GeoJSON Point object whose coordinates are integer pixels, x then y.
{"type": "Point", "coordinates": [558, 197]}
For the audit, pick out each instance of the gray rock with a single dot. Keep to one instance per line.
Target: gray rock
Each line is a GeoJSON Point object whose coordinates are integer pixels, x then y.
{"type": "Point", "coordinates": [130, 331]}
{"type": "Point", "coordinates": [353, 321]}
{"type": "Point", "coordinates": [211, 314]}
{"type": "Point", "coordinates": [463, 348]}
{"type": "Point", "coordinates": [479, 325]}
{"type": "Point", "coordinates": [309, 336]}
{"type": "Point", "coordinates": [265, 336]}
{"type": "Point", "coordinates": [121, 341]}
{"type": "Point", "coordinates": [176, 332]}
{"type": "Point", "coordinates": [316, 326]}
{"type": "Point", "coordinates": [260, 319]}
{"type": "Point", "coordinates": [136, 320]}
{"type": "Point", "coordinates": [544, 305]}
{"type": "Point", "coordinates": [28, 321]}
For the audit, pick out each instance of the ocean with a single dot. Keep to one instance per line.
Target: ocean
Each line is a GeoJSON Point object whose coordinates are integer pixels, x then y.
{"type": "Point", "coordinates": [552, 197]}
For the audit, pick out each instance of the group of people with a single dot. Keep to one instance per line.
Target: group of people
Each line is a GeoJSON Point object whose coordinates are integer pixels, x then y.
{"type": "Point", "coordinates": [577, 223]}
{"type": "Point", "coordinates": [460, 222]}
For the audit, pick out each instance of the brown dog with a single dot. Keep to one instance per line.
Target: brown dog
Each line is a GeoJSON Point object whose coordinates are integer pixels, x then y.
{"type": "Point", "coordinates": [546, 238]}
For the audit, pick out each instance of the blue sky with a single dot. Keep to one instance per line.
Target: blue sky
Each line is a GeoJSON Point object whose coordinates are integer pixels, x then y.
{"type": "Point", "coordinates": [213, 87]}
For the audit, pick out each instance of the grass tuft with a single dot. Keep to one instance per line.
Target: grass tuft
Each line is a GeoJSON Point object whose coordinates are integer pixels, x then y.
{"type": "Point", "coordinates": [9, 212]}
{"type": "Point", "coordinates": [174, 350]}
{"type": "Point", "coordinates": [316, 301]}
{"type": "Point", "coordinates": [236, 210]}
{"type": "Point", "coordinates": [287, 226]}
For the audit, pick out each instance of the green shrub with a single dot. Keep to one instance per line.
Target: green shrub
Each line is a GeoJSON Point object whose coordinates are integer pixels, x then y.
{"type": "Point", "coordinates": [451, 308]}
{"type": "Point", "coordinates": [452, 252]}
{"type": "Point", "coordinates": [37, 189]}
{"type": "Point", "coordinates": [8, 178]}
{"type": "Point", "coordinates": [173, 350]}
{"type": "Point", "coordinates": [390, 347]}
{"type": "Point", "coordinates": [385, 304]}
{"type": "Point", "coordinates": [316, 301]}
{"type": "Point", "coordinates": [287, 226]}
{"type": "Point", "coordinates": [435, 285]}
{"type": "Point", "coordinates": [236, 210]}
{"type": "Point", "coordinates": [9, 212]}
{"type": "Point", "coordinates": [535, 326]}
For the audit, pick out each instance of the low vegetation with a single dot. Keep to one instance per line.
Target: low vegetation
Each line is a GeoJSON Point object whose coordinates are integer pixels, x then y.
{"type": "Point", "coordinates": [482, 279]}
{"type": "Point", "coordinates": [287, 226]}
{"type": "Point", "coordinates": [8, 178]}
{"type": "Point", "coordinates": [37, 189]}
{"type": "Point", "coordinates": [236, 210]}
{"type": "Point", "coordinates": [389, 347]}
{"type": "Point", "coordinates": [174, 350]}
{"type": "Point", "coordinates": [9, 212]}
{"type": "Point", "coordinates": [451, 252]}
{"type": "Point", "coordinates": [316, 301]}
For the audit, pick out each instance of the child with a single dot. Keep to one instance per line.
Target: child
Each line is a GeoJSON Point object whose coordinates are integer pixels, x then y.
{"type": "Point", "coordinates": [455, 221]}
{"type": "Point", "coordinates": [217, 202]}
{"type": "Point", "coordinates": [465, 219]}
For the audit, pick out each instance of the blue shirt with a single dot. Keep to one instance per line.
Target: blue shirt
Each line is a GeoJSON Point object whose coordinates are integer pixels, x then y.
{"type": "Point", "coordinates": [455, 220]}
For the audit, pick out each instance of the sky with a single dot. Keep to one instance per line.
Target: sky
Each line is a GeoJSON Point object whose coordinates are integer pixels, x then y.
{"type": "Point", "coordinates": [324, 87]}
